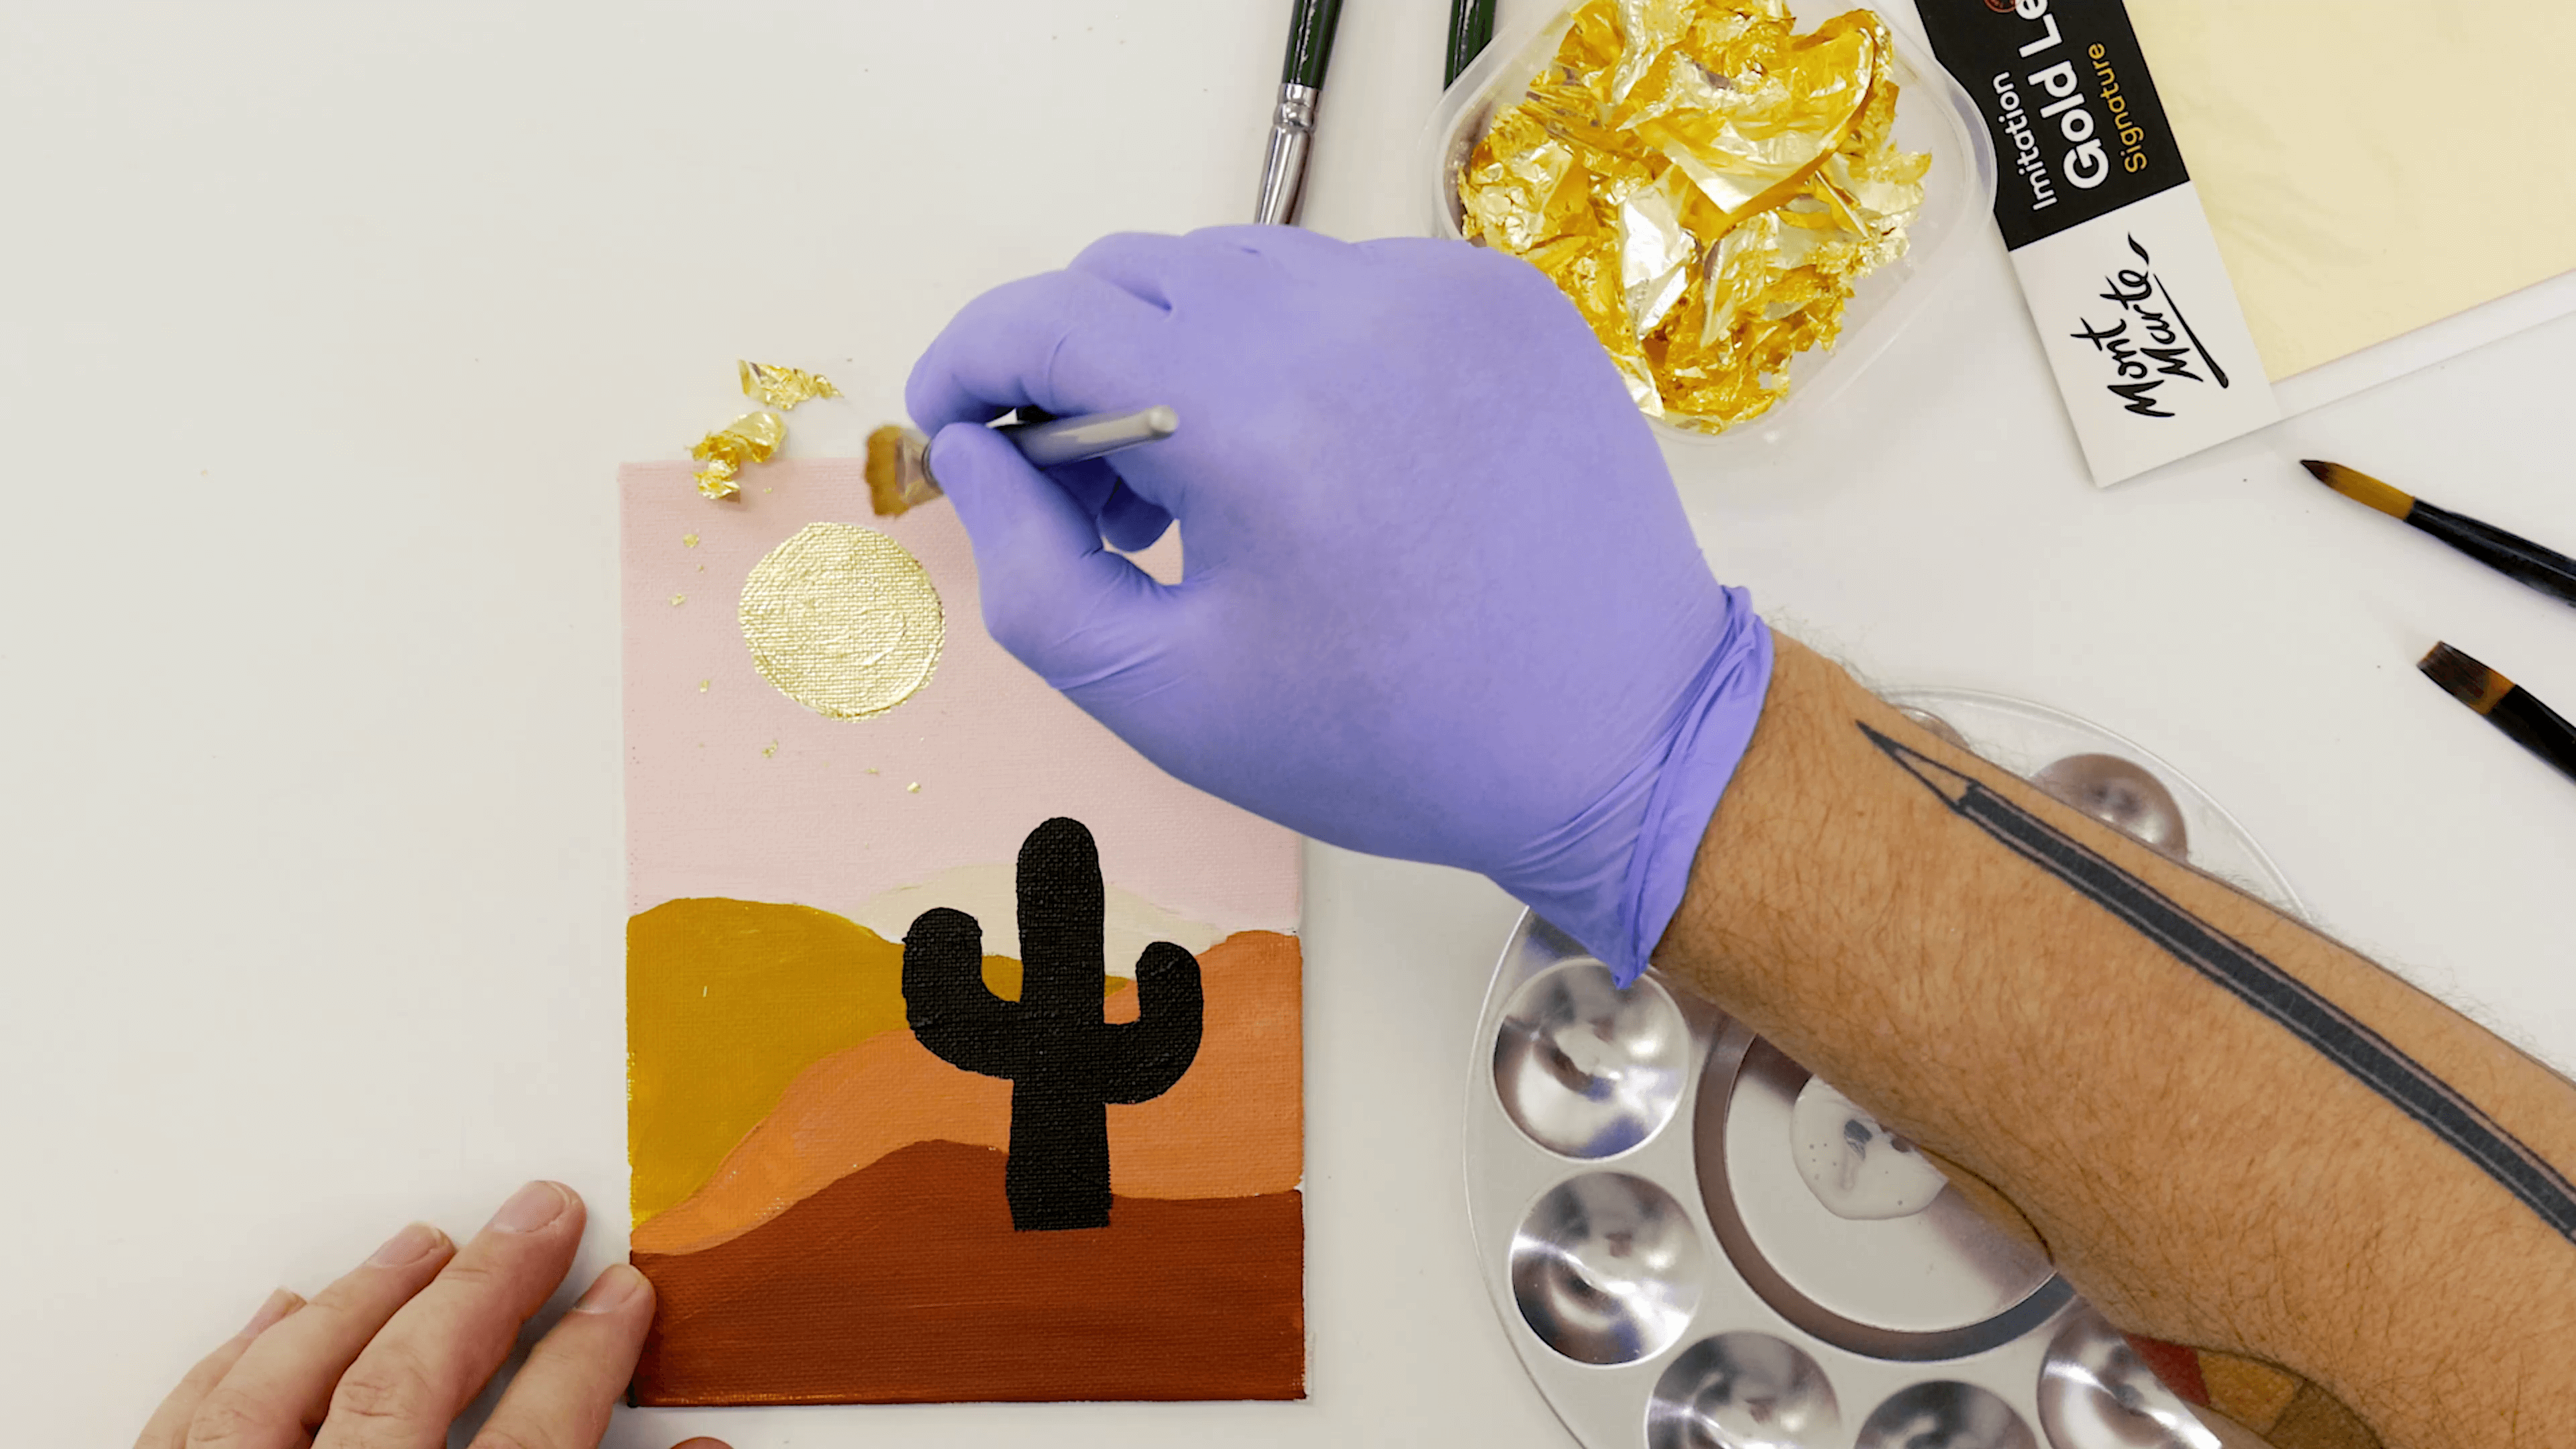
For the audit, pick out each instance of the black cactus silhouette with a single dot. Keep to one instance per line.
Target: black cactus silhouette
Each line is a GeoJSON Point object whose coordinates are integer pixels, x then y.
{"type": "Point", "coordinates": [1065, 1062]}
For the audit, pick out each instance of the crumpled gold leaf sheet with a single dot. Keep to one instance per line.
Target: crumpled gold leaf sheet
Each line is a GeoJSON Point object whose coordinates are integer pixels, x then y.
{"type": "Point", "coordinates": [1707, 185]}
{"type": "Point", "coordinates": [751, 438]}
{"type": "Point", "coordinates": [717, 480]}
{"type": "Point", "coordinates": [783, 387]}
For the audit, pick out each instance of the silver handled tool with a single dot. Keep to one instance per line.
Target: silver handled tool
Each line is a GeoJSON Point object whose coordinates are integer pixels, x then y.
{"type": "Point", "coordinates": [898, 468]}
{"type": "Point", "coordinates": [1059, 441]}
{"type": "Point", "coordinates": [1311, 24]}
{"type": "Point", "coordinates": [1283, 166]}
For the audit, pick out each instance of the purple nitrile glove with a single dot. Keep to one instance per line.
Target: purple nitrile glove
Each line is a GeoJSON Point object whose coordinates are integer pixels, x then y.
{"type": "Point", "coordinates": [1441, 600]}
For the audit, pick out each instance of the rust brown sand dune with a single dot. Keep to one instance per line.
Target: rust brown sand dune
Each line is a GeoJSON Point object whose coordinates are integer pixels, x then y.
{"type": "Point", "coordinates": [903, 1283]}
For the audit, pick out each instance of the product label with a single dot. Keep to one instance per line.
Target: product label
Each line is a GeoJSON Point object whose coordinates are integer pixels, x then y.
{"type": "Point", "coordinates": [2114, 254]}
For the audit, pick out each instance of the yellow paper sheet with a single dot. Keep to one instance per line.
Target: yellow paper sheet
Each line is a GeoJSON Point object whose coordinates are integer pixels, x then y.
{"type": "Point", "coordinates": [2371, 166]}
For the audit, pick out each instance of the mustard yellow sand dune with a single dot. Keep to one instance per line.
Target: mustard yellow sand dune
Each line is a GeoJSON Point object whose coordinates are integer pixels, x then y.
{"type": "Point", "coordinates": [726, 1002]}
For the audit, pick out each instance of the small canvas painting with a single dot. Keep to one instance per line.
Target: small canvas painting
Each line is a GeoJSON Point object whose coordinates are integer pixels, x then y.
{"type": "Point", "coordinates": [963, 1043]}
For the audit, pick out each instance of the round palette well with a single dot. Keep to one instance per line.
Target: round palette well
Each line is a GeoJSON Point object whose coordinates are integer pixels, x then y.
{"type": "Point", "coordinates": [1693, 1243]}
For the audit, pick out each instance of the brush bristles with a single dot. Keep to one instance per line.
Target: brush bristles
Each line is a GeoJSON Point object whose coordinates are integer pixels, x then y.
{"type": "Point", "coordinates": [2360, 487]}
{"type": "Point", "coordinates": [2464, 678]}
{"type": "Point", "coordinates": [898, 472]}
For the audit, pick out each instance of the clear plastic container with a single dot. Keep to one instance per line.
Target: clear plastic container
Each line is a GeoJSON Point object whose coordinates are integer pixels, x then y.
{"type": "Point", "coordinates": [1932, 114]}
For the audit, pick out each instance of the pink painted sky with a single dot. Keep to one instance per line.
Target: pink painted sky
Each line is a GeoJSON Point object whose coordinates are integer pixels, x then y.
{"type": "Point", "coordinates": [994, 749]}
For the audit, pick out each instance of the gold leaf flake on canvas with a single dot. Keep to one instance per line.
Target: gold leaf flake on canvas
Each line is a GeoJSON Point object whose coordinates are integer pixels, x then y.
{"type": "Point", "coordinates": [751, 438]}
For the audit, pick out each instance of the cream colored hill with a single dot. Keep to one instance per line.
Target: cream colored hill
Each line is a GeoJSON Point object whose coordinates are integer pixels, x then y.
{"type": "Point", "coordinates": [990, 893]}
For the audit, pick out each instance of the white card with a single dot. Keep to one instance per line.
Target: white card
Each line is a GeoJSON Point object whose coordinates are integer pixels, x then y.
{"type": "Point", "coordinates": [2143, 331]}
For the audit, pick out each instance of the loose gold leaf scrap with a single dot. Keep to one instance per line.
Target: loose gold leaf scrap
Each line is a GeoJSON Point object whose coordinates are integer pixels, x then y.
{"type": "Point", "coordinates": [751, 438]}
{"type": "Point", "coordinates": [783, 387]}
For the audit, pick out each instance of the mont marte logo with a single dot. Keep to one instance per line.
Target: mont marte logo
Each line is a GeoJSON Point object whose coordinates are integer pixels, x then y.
{"type": "Point", "coordinates": [2148, 341]}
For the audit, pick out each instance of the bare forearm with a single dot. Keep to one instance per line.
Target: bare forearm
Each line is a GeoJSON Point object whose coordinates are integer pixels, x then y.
{"type": "Point", "coordinates": [2230, 1131]}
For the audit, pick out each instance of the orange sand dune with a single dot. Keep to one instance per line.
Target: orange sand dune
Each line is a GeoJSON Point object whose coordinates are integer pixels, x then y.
{"type": "Point", "coordinates": [1233, 1127]}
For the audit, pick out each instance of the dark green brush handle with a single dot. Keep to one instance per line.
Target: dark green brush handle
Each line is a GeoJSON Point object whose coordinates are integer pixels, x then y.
{"type": "Point", "coordinates": [2537, 728]}
{"type": "Point", "coordinates": [1471, 26]}
{"type": "Point", "coordinates": [2546, 569]}
{"type": "Point", "coordinates": [1310, 42]}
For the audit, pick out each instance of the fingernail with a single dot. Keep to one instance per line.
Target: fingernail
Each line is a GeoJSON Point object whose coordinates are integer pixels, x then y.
{"type": "Point", "coordinates": [408, 1246]}
{"type": "Point", "coordinates": [612, 1290]}
{"type": "Point", "coordinates": [530, 1208]}
{"type": "Point", "coordinates": [281, 1302]}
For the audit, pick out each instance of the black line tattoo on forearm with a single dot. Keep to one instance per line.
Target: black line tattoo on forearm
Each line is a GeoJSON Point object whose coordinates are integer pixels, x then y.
{"type": "Point", "coordinates": [2257, 982]}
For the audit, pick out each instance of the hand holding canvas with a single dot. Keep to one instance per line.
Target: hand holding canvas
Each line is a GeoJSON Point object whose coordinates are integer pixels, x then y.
{"type": "Point", "coordinates": [392, 1352]}
{"type": "Point", "coordinates": [1441, 600]}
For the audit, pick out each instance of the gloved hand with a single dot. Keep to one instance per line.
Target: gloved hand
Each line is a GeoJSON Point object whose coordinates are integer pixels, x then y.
{"type": "Point", "coordinates": [1441, 600]}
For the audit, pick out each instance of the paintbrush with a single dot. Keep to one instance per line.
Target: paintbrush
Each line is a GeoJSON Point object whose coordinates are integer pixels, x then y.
{"type": "Point", "coordinates": [899, 457]}
{"type": "Point", "coordinates": [1311, 24]}
{"type": "Point", "coordinates": [2546, 569]}
{"type": "Point", "coordinates": [2507, 705]}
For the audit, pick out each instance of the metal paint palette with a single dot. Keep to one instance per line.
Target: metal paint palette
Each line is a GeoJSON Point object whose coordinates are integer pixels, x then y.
{"type": "Point", "coordinates": [1695, 1244]}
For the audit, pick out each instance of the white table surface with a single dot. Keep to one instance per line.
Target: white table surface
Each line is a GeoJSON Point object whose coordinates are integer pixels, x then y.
{"type": "Point", "coordinates": [325, 328]}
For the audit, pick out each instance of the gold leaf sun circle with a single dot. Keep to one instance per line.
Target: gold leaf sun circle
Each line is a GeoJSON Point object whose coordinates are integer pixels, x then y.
{"type": "Point", "coordinates": [843, 620]}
